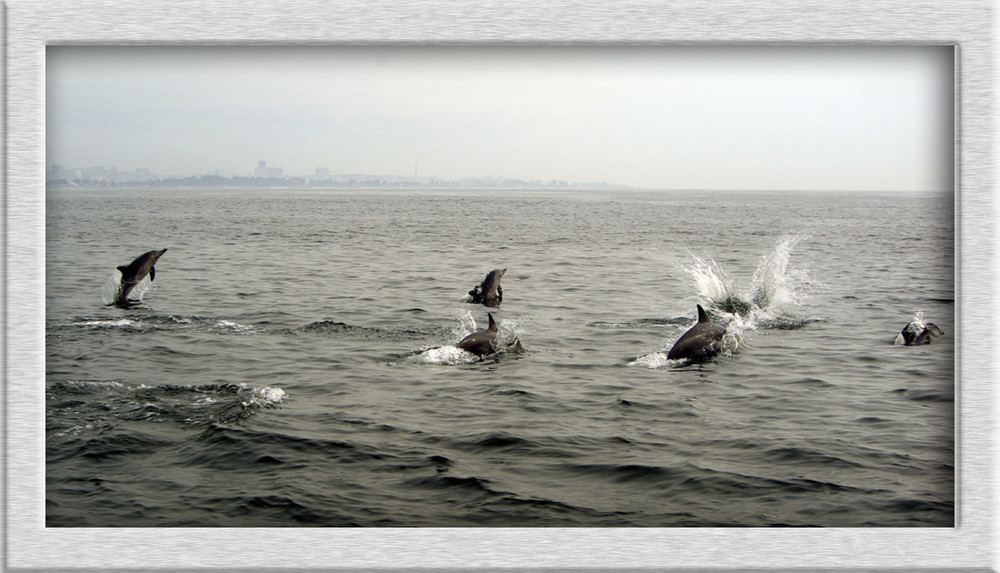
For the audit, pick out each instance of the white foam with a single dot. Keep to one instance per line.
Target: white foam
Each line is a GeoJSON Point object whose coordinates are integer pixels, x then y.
{"type": "Point", "coordinates": [447, 354]}
{"type": "Point", "coordinates": [75, 430]}
{"type": "Point", "coordinates": [653, 360]}
{"type": "Point", "coordinates": [264, 397]}
{"type": "Point", "coordinates": [109, 323]}
{"type": "Point", "coordinates": [110, 288]}
{"type": "Point", "coordinates": [234, 327]}
{"type": "Point", "coordinates": [93, 385]}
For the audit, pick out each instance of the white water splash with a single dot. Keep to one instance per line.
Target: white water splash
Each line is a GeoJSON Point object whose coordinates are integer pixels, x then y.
{"type": "Point", "coordinates": [230, 326]}
{"type": "Point", "coordinates": [509, 334]}
{"type": "Point", "coordinates": [263, 397]}
{"type": "Point", "coordinates": [774, 292]}
{"type": "Point", "coordinates": [731, 342]}
{"type": "Point", "coordinates": [654, 360]}
{"type": "Point", "coordinates": [508, 340]}
{"type": "Point", "coordinates": [110, 288]}
{"type": "Point", "coordinates": [508, 331]}
{"type": "Point", "coordinates": [773, 284]}
{"type": "Point", "coordinates": [447, 355]}
{"type": "Point", "coordinates": [116, 323]}
{"type": "Point", "coordinates": [93, 385]}
{"type": "Point", "coordinates": [466, 326]}
{"type": "Point", "coordinates": [917, 325]}
{"type": "Point", "coordinates": [708, 279]}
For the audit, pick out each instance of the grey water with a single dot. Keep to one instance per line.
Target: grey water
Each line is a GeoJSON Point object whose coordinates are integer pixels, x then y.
{"type": "Point", "coordinates": [293, 362]}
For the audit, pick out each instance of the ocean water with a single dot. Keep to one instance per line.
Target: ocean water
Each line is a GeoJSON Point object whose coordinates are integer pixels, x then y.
{"type": "Point", "coordinates": [293, 363]}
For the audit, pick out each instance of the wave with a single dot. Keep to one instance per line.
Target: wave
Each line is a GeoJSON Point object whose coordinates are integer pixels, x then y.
{"type": "Point", "coordinates": [83, 405]}
{"type": "Point", "coordinates": [806, 457]}
{"type": "Point", "coordinates": [106, 445]}
{"type": "Point", "coordinates": [137, 322]}
{"type": "Point", "coordinates": [497, 441]}
{"type": "Point", "coordinates": [926, 395]}
{"type": "Point", "coordinates": [433, 351]}
{"type": "Point", "coordinates": [514, 511]}
{"type": "Point", "coordinates": [341, 329]}
{"type": "Point", "coordinates": [450, 483]}
{"type": "Point", "coordinates": [642, 323]}
{"type": "Point", "coordinates": [237, 447]}
{"type": "Point", "coordinates": [154, 322]}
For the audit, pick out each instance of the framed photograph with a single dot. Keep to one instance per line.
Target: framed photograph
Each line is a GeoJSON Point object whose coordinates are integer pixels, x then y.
{"type": "Point", "coordinates": [599, 286]}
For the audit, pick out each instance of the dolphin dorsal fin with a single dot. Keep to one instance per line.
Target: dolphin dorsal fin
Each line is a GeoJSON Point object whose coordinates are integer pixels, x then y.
{"type": "Point", "coordinates": [493, 324]}
{"type": "Point", "coordinates": [122, 268]}
{"type": "Point", "coordinates": [702, 317]}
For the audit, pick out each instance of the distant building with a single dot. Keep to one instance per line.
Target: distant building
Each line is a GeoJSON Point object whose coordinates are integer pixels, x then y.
{"type": "Point", "coordinates": [264, 171]}
{"type": "Point", "coordinates": [322, 173]}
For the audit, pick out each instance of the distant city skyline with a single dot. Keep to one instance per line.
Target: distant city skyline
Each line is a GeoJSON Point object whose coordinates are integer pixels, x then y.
{"type": "Point", "coordinates": [261, 169]}
{"type": "Point", "coordinates": [837, 117]}
{"type": "Point", "coordinates": [263, 175]}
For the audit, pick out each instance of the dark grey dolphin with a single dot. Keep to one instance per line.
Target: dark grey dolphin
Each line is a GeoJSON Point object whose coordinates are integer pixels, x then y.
{"type": "Point", "coordinates": [481, 342]}
{"type": "Point", "coordinates": [134, 272]}
{"type": "Point", "coordinates": [701, 342]}
{"type": "Point", "coordinates": [917, 332]}
{"type": "Point", "coordinates": [488, 292]}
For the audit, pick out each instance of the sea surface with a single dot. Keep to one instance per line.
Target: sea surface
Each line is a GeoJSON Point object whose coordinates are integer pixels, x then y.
{"type": "Point", "coordinates": [293, 363]}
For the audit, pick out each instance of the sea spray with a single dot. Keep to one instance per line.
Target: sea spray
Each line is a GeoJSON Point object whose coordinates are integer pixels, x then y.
{"type": "Point", "coordinates": [109, 290]}
{"type": "Point", "coordinates": [771, 297]}
{"type": "Point", "coordinates": [767, 302]}
{"type": "Point", "coordinates": [773, 284]}
{"type": "Point", "coordinates": [508, 342]}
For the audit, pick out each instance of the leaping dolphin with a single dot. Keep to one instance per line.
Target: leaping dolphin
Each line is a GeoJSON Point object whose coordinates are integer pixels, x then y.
{"type": "Point", "coordinates": [701, 342]}
{"type": "Point", "coordinates": [481, 342]}
{"type": "Point", "coordinates": [917, 332]}
{"type": "Point", "coordinates": [489, 292]}
{"type": "Point", "coordinates": [134, 272]}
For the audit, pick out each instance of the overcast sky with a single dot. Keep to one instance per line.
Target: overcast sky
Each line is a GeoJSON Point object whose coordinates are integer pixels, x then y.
{"type": "Point", "coordinates": [865, 118]}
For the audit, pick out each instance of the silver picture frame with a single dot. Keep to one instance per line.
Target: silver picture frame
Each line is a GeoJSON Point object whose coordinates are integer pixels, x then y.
{"type": "Point", "coordinates": [32, 26]}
